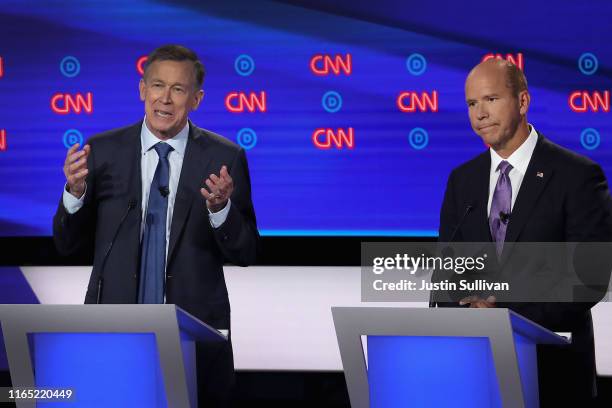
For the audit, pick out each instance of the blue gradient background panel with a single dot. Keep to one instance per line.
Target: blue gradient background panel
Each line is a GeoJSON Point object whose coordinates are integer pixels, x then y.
{"type": "Point", "coordinates": [384, 185]}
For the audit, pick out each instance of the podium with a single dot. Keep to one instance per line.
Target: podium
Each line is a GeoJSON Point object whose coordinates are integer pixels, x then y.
{"type": "Point", "coordinates": [107, 355]}
{"type": "Point", "coordinates": [439, 357]}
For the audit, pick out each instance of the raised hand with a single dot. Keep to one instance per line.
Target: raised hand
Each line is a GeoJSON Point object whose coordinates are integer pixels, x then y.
{"type": "Point", "coordinates": [75, 169]}
{"type": "Point", "coordinates": [221, 188]}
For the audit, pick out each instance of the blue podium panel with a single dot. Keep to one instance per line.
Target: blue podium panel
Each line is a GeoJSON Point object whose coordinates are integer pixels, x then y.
{"type": "Point", "coordinates": [103, 369]}
{"type": "Point", "coordinates": [431, 371]}
{"type": "Point", "coordinates": [528, 369]}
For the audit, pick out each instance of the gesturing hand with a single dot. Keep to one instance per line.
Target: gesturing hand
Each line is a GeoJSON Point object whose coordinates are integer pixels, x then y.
{"type": "Point", "coordinates": [221, 188]}
{"type": "Point", "coordinates": [75, 169]}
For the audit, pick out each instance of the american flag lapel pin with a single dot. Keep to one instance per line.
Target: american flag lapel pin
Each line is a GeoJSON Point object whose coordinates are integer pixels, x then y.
{"type": "Point", "coordinates": [540, 174]}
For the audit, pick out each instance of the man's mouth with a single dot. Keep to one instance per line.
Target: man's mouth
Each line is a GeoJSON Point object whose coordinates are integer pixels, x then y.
{"type": "Point", "coordinates": [163, 114]}
{"type": "Point", "coordinates": [485, 127]}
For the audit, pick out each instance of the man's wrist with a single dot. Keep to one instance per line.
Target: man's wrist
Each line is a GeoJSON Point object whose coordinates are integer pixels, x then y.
{"type": "Point", "coordinates": [218, 218]}
{"type": "Point", "coordinates": [76, 193]}
{"type": "Point", "coordinates": [216, 208]}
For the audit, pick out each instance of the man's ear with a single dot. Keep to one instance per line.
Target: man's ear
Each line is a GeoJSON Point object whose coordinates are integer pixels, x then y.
{"type": "Point", "coordinates": [142, 89]}
{"type": "Point", "coordinates": [524, 101]}
{"type": "Point", "coordinates": [199, 95]}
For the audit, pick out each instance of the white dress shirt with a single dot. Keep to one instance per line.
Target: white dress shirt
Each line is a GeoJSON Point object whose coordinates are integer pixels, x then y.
{"type": "Point", "coordinates": [519, 160]}
{"type": "Point", "coordinates": [148, 163]}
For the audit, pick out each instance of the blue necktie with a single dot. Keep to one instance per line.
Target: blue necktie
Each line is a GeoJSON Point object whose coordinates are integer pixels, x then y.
{"type": "Point", "coordinates": [153, 254]}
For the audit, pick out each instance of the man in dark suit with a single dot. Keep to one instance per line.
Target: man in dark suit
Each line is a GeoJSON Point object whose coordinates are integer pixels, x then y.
{"type": "Point", "coordinates": [163, 204]}
{"type": "Point", "coordinates": [527, 189]}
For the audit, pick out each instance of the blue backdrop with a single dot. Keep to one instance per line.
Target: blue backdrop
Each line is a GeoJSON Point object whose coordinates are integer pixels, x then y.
{"type": "Point", "coordinates": [390, 182]}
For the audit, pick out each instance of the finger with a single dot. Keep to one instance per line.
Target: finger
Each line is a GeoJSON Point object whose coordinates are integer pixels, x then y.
{"type": "Point", "coordinates": [78, 165]}
{"type": "Point", "coordinates": [81, 175]}
{"type": "Point", "coordinates": [73, 157]}
{"type": "Point", "coordinates": [220, 184]}
{"type": "Point", "coordinates": [86, 150]}
{"type": "Point", "coordinates": [72, 149]}
{"type": "Point", "coordinates": [210, 196]}
{"type": "Point", "coordinates": [68, 168]}
{"type": "Point", "coordinates": [77, 178]}
{"type": "Point", "coordinates": [215, 179]}
{"type": "Point", "coordinates": [205, 194]}
{"type": "Point", "coordinates": [228, 179]}
{"type": "Point", "coordinates": [491, 299]}
{"type": "Point", "coordinates": [224, 174]}
{"type": "Point", "coordinates": [467, 300]}
{"type": "Point", "coordinates": [213, 188]}
{"type": "Point", "coordinates": [211, 179]}
{"type": "Point", "coordinates": [76, 156]}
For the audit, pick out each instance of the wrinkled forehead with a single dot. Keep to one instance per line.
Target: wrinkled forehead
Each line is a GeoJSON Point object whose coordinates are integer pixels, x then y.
{"type": "Point", "coordinates": [182, 72]}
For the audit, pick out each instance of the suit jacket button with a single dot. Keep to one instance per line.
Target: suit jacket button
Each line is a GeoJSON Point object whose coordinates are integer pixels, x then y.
{"type": "Point", "coordinates": [168, 276]}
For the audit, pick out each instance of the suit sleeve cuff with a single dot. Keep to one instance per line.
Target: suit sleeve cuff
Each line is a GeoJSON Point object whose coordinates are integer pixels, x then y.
{"type": "Point", "coordinates": [217, 219]}
{"type": "Point", "coordinates": [71, 203]}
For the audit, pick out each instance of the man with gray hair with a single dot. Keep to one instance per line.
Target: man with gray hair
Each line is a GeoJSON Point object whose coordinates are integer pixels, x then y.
{"type": "Point", "coordinates": [163, 203]}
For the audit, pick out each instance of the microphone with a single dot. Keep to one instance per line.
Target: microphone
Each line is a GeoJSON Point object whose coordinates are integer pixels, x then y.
{"type": "Point", "coordinates": [468, 209]}
{"type": "Point", "coordinates": [446, 251]}
{"type": "Point", "coordinates": [164, 191]}
{"type": "Point", "coordinates": [504, 217]}
{"type": "Point", "coordinates": [131, 205]}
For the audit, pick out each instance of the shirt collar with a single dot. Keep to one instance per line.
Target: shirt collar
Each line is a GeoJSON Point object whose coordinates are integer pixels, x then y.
{"type": "Point", "coordinates": [178, 142]}
{"type": "Point", "coordinates": [519, 159]}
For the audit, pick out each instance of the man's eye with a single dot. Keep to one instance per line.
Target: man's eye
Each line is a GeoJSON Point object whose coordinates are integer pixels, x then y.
{"type": "Point", "coordinates": [179, 90]}
{"type": "Point", "coordinates": [492, 99]}
{"type": "Point", "coordinates": [157, 85]}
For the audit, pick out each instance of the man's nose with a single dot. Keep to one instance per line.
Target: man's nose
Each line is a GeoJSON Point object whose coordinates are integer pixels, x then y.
{"type": "Point", "coordinates": [481, 112]}
{"type": "Point", "coordinates": [166, 96]}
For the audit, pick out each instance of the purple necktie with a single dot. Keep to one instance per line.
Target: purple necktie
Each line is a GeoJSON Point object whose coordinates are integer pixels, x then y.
{"type": "Point", "coordinates": [500, 206]}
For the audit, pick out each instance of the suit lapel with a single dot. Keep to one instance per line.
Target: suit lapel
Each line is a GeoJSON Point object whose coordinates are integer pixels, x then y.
{"type": "Point", "coordinates": [128, 191]}
{"type": "Point", "coordinates": [132, 155]}
{"type": "Point", "coordinates": [482, 194]}
{"type": "Point", "coordinates": [130, 158]}
{"type": "Point", "coordinates": [193, 171]}
{"type": "Point", "coordinates": [536, 177]}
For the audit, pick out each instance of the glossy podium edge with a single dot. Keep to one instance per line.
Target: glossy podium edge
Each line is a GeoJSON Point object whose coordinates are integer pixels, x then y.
{"type": "Point", "coordinates": [169, 323]}
{"type": "Point", "coordinates": [498, 325]}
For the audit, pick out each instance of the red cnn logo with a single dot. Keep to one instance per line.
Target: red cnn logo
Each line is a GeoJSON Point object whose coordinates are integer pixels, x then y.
{"type": "Point", "coordinates": [325, 139]}
{"type": "Point", "coordinates": [410, 101]}
{"type": "Point", "coordinates": [62, 103]}
{"type": "Point", "coordinates": [1, 67]}
{"type": "Point", "coordinates": [2, 140]}
{"type": "Point", "coordinates": [324, 64]}
{"type": "Point", "coordinates": [237, 102]}
{"type": "Point", "coordinates": [581, 101]}
{"type": "Point", "coordinates": [515, 59]}
{"type": "Point", "coordinates": [140, 64]}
